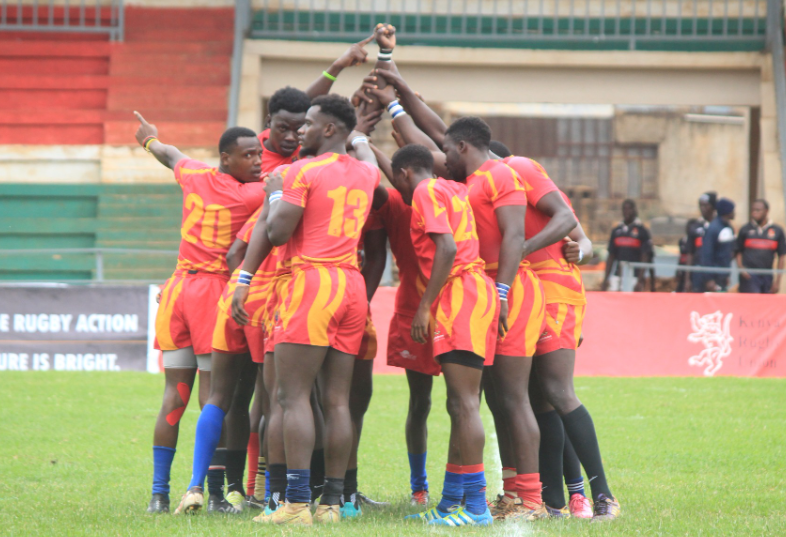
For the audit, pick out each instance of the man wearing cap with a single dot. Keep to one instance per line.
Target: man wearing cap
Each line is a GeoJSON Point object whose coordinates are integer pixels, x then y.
{"type": "Point", "coordinates": [696, 232]}
{"type": "Point", "coordinates": [758, 243]}
{"type": "Point", "coordinates": [718, 247]}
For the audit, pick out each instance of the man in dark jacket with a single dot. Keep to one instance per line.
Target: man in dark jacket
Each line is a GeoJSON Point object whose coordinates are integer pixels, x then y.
{"type": "Point", "coordinates": [718, 247]}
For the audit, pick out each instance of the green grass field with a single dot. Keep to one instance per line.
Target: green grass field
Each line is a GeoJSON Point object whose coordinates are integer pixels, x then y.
{"type": "Point", "coordinates": [684, 457]}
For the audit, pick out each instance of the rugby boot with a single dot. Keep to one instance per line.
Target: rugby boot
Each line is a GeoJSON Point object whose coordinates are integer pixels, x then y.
{"type": "Point", "coordinates": [558, 513]}
{"type": "Point", "coordinates": [365, 500]}
{"type": "Point", "coordinates": [580, 506]}
{"type": "Point", "coordinates": [350, 509]}
{"type": "Point", "coordinates": [331, 514]}
{"type": "Point", "coordinates": [219, 504]}
{"type": "Point", "coordinates": [236, 499]}
{"type": "Point", "coordinates": [502, 506]}
{"type": "Point", "coordinates": [159, 503]}
{"type": "Point", "coordinates": [192, 501]}
{"type": "Point", "coordinates": [293, 514]}
{"type": "Point", "coordinates": [605, 508]}
{"type": "Point", "coordinates": [526, 511]}
{"type": "Point", "coordinates": [270, 508]}
{"type": "Point", "coordinates": [432, 514]}
{"type": "Point", "coordinates": [253, 503]}
{"type": "Point", "coordinates": [462, 517]}
{"type": "Point", "coordinates": [419, 498]}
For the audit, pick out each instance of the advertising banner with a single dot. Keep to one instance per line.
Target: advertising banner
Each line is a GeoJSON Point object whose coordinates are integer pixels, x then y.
{"type": "Point", "coordinates": [661, 334]}
{"type": "Point", "coordinates": [73, 328]}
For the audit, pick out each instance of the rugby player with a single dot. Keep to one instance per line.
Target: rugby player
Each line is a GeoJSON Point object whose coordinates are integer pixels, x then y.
{"type": "Point", "coordinates": [464, 306]}
{"type": "Point", "coordinates": [757, 244]}
{"type": "Point", "coordinates": [319, 212]}
{"type": "Point", "coordinates": [630, 241]}
{"type": "Point", "coordinates": [499, 201]}
{"type": "Point", "coordinates": [707, 202]}
{"type": "Point", "coordinates": [217, 201]}
{"type": "Point", "coordinates": [548, 216]}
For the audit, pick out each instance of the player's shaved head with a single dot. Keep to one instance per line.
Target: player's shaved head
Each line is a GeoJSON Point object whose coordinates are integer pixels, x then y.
{"type": "Point", "coordinates": [414, 156]}
{"type": "Point", "coordinates": [499, 149]}
{"type": "Point", "coordinates": [241, 154]}
{"type": "Point", "coordinates": [338, 108]}
{"type": "Point", "coordinates": [471, 130]}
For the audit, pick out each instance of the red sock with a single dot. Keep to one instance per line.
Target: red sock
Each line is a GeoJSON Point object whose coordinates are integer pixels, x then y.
{"type": "Point", "coordinates": [529, 488]}
{"type": "Point", "coordinates": [253, 460]}
{"type": "Point", "coordinates": [509, 482]}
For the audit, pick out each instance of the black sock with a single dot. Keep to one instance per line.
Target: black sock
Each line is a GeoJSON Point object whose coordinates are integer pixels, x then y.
{"type": "Point", "coordinates": [317, 479]}
{"type": "Point", "coordinates": [331, 495]}
{"type": "Point", "coordinates": [350, 485]}
{"type": "Point", "coordinates": [571, 467]}
{"type": "Point", "coordinates": [215, 472]}
{"type": "Point", "coordinates": [581, 430]}
{"type": "Point", "coordinates": [278, 483]}
{"type": "Point", "coordinates": [552, 441]}
{"type": "Point", "coordinates": [236, 464]}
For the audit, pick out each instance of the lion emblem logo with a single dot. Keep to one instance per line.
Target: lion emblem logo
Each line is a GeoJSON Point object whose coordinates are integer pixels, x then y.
{"type": "Point", "coordinates": [712, 331]}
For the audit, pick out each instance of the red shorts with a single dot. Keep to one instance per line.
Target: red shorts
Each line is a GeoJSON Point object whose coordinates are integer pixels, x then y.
{"type": "Point", "coordinates": [404, 352]}
{"type": "Point", "coordinates": [325, 306]}
{"type": "Point", "coordinates": [562, 329]}
{"type": "Point", "coordinates": [231, 338]}
{"type": "Point", "coordinates": [187, 311]}
{"type": "Point", "coordinates": [526, 315]}
{"type": "Point", "coordinates": [368, 345]}
{"type": "Point", "coordinates": [279, 290]}
{"type": "Point", "coordinates": [466, 314]}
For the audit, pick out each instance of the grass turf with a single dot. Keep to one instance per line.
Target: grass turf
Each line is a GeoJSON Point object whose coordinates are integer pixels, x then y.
{"type": "Point", "coordinates": [684, 456]}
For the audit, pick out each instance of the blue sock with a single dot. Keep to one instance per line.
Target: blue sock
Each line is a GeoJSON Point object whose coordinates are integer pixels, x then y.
{"type": "Point", "coordinates": [452, 489]}
{"type": "Point", "coordinates": [267, 484]}
{"type": "Point", "coordinates": [475, 491]}
{"type": "Point", "coordinates": [298, 490]}
{"type": "Point", "coordinates": [417, 472]}
{"type": "Point", "coordinates": [208, 433]}
{"type": "Point", "coordinates": [575, 486]}
{"type": "Point", "coordinates": [162, 463]}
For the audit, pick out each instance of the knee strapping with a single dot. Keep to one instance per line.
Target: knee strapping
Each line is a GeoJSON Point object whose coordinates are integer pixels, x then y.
{"type": "Point", "coordinates": [185, 394]}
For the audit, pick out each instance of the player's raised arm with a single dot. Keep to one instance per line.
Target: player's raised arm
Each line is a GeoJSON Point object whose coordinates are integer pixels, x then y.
{"type": "Point", "coordinates": [355, 55]}
{"type": "Point", "coordinates": [147, 136]}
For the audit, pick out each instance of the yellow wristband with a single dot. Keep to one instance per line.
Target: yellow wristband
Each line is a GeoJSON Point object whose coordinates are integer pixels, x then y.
{"type": "Point", "coordinates": [147, 144]}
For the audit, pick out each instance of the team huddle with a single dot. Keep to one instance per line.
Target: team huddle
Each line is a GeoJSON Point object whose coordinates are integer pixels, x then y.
{"type": "Point", "coordinates": [283, 247]}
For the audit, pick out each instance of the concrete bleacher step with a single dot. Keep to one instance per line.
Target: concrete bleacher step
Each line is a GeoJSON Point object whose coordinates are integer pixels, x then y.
{"type": "Point", "coordinates": [182, 97]}
{"type": "Point", "coordinates": [49, 99]}
{"type": "Point", "coordinates": [54, 66]}
{"type": "Point", "coordinates": [75, 82]}
{"type": "Point", "coordinates": [200, 49]}
{"type": "Point", "coordinates": [137, 66]}
{"type": "Point", "coordinates": [54, 49]}
{"type": "Point", "coordinates": [181, 134]}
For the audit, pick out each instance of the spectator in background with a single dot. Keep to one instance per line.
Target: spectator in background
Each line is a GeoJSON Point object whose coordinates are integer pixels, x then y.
{"type": "Point", "coordinates": [685, 256]}
{"type": "Point", "coordinates": [757, 244]}
{"type": "Point", "coordinates": [629, 241]}
{"type": "Point", "coordinates": [694, 281]}
{"type": "Point", "coordinates": [717, 249]}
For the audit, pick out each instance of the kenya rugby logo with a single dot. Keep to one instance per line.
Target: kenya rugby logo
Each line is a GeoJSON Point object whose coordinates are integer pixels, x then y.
{"type": "Point", "coordinates": [712, 331]}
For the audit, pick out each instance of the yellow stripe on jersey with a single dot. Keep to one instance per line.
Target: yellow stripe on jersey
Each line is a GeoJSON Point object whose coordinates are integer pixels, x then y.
{"type": "Point", "coordinates": [437, 209]}
{"type": "Point", "coordinates": [298, 181]}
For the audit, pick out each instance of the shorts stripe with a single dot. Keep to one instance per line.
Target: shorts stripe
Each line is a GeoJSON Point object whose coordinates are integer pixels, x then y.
{"type": "Point", "coordinates": [456, 300]}
{"type": "Point", "coordinates": [169, 297]}
{"type": "Point", "coordinates": [535, 322]}
{"type": "Point", "coordinates": [481, 316]}
{"type": "Point", "coordinates": [321, 312]}
{"type": "Point", "coordinates": [286, 311]}
{"type": "Point", "coordinates": [578, 322]}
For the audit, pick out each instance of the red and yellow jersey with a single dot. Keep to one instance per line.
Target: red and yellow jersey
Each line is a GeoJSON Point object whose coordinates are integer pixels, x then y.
{"type": "Point", "coordinates": [442, 206]}
{"type": "Point", "coordinates": [272, 160]}
{"type": "Point", "coordinates": [396, 216]}
{"type": "Point", "coordinates": [215, 207]}
{"type": "Point", "coordinates": [493, 185]}
{"type": "Point", "coordinates": [336, 192]}
{"type": "Point", "coordinates": [561, 280]}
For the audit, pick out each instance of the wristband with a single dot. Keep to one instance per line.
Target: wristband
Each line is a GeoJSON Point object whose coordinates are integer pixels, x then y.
{"type": "Point", "coordinates": [581, 255]}
{"type": "Point", "coordinates": [147, 141]}
{"type": "Point", "coordinates": [359, 140]}
{"type": "Point", "coordinates": [385, 55]}
{"type": "Point", "coordinates": [275, 196]}
{"type": "Point", "coordinates": [502, 290]}
{"type": "Point", "coordinates": [244, 278]}
{"type": "Point", "coordinates": [396, 109]}
{"type": "Point", "coordinates": [328, 76]}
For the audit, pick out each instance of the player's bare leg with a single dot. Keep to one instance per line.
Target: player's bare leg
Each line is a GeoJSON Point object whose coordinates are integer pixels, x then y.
{"type": "Point", "coordinates": [507, 380]}
{"type": "Point", "coordinates": [178, 383]}
{"type": "Point", "coordinates": [555, 375]}
{"type": "Point", "coordinates": [359, 399]}
{"type": "Point", "coordinates": [317, 477]}
{"type": "Point", "coordinates": [416, 431]}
